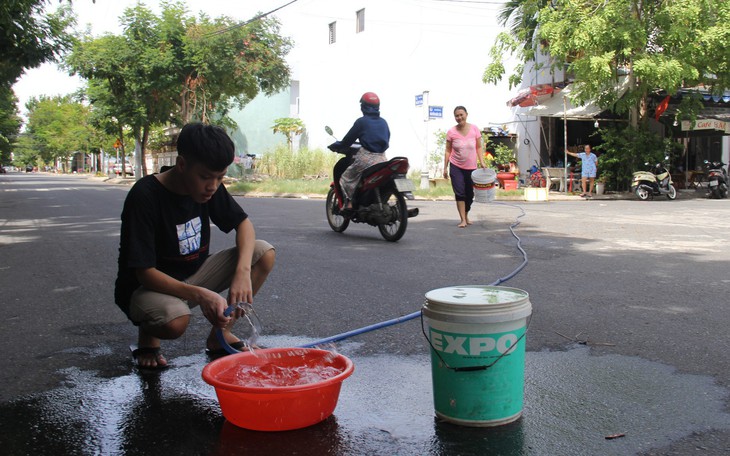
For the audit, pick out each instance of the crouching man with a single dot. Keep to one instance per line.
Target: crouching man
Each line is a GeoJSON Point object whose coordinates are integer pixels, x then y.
{"type": "Point", "coordinates": [165, 264]}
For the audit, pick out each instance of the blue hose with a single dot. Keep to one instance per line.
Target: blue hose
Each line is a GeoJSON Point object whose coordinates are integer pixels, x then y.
{"type": "Point", "coordinates": [219, 332]}
{"type": "Point", "coordinates": [394, 321]}
{"type": "Point", "coordinates": [416, 314]}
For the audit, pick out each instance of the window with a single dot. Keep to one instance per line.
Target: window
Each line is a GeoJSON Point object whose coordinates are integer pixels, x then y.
{"type": "Point", "coordinates": [333, 32]}
{"type": "Point", "coordinates": [360, 21]}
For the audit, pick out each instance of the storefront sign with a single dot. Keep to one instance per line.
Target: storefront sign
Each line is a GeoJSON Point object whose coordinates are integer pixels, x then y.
{"type": "Point", "coordinates": [707, 124]}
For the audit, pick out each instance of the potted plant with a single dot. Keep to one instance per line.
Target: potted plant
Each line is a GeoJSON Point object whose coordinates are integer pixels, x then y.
{"type": "Point", "coordinates": [503, 155]}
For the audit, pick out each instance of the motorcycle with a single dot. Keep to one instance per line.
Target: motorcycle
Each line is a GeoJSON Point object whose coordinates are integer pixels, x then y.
{"type": "Point", "coordinates": [379, 198]}
{"type": "Point", "coordinates": [655, 181]}
{"type": "Point", "coordinates": [716, 179]}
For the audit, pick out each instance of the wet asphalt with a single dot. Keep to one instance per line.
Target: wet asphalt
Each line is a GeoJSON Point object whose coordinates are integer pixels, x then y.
{"type": "Point", "coordinates": [626, 350]}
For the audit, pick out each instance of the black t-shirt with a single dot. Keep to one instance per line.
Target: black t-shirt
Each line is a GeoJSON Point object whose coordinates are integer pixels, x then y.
{"type": "Point", "coordinates": [167, 231]}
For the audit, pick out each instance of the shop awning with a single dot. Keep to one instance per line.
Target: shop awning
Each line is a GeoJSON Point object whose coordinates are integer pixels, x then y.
{"type": "Point", "coordinates": [559, 105]}
{"type": "Point", "coordinates": [532, 96]}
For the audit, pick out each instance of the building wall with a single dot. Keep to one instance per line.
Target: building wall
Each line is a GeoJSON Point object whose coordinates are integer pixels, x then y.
{"type": "Point", "coordinates": [535, 134]}
{"type": "Point", "coordinates": [254, 134]}
{"type": "Point", "coordinates": [407, 47]}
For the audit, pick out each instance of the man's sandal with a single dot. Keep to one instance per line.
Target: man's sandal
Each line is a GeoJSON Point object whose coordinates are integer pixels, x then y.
{"type": "Point", "coordinates": [140, 351]}
{"type": "Point", "coordinates": [220, 352]}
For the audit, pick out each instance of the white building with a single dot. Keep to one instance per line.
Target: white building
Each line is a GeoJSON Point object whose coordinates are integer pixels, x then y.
{"type": "Point", "coordinates": [396, 48]}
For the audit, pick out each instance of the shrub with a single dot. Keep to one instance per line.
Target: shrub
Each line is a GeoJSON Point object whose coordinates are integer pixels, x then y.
{"type": "Point", "coordinates": [626, 150]}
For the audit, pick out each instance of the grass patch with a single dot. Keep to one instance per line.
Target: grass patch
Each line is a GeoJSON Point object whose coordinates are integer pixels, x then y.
{"type": "Point", "coordinates": [278, 186]}
{"type": "Point", "coordinates": [442, 189]}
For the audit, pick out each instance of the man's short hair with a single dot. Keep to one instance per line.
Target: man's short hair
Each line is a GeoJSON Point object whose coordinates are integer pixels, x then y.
{"type": "Point", "coordinates": [208, 145]}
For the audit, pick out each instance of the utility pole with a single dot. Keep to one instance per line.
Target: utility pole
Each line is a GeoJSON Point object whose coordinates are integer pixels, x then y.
{"type": "Point", "coordinates": [426, 118]}
{"type": "Point", "coordinates": [565, 142]}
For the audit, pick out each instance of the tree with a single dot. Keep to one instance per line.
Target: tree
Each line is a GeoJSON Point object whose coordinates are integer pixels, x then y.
{"type": "Point", "coordinates": [228, 64]}
{"type": "Point", "coordinates": [659, 46]}
{"type": "Point", "coordinates": [29, 37]}
{"type": "Point", "coordinates": [174, 69]}
{"type": "Point", "coordinates": [520, 18]}
{"type": "Point", "coordinates": [58, 127]}
{"type": "Point", "coordinates": [9, 124]}
{"type": "Point", "coordinates": [289, 126]}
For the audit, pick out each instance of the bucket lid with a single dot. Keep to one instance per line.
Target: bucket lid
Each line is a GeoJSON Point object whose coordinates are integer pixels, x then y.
{"type": "Point", "coordinates": [483, 175]}
{"type": "Point", "coordinates": [477, 303]}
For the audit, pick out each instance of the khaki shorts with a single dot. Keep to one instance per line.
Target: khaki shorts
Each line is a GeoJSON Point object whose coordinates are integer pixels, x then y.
{"type": "Point", "coordinates": [150, 308]}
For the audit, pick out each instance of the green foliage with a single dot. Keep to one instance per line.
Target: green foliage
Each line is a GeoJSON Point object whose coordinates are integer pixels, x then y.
{"type": "Point", "coordinates": [440, 191]}
{"type": "Point", "coordinates": [435, 161]}
{"type": "Point", "coordinates": [25, 151]}
{"type": "Point", "coordinates": [502, 154]}
{"type": "Point", "coordinates": [158, 138]}
{"type": "Point", "coordinates": [174, 68]}
{"type": "Point", "coordinates": [57, 128]}
{"type": "Point", "coordinates": [283, 186]}
{"type": "Point", "coordinates": [225, 62]}
{"type": "Point", "coordinates": [282, 163]}
{"type": "Point", "coordinates": [31, 37]}
{"type": "Point", "coordinates": [626, 150]}
{"type": "Point", "coordinates": [289, 127]}
{"type": "Point", "coordinates": [9, 124]}
{"type": "Point", "coordinates": [520, 18]}
{"type": "Point", "coordinates": [660, 45]}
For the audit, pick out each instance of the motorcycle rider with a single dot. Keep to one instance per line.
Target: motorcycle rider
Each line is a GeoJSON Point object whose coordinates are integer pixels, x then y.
{"type": "Point", "coordinates": [373, 133]}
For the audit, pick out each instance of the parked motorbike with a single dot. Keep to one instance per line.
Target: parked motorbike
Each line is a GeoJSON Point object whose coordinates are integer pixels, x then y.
{"type": "Point", "coordinates": [655, 181]}
{"type": "Point", "coordinates": [716, 179]}
{"type": "Point", "coordinates": [379, 198]}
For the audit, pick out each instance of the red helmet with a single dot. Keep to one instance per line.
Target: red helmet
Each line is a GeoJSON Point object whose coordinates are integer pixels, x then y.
{"type": "Point", "coordinates": [370, 98]}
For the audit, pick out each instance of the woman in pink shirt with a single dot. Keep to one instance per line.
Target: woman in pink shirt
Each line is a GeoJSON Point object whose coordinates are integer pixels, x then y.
{"type": "Point", "coordinates": [463, 149]}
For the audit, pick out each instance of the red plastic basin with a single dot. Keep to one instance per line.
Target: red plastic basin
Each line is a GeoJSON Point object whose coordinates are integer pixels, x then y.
{"type": "Point", "coordinates": [277, 408]}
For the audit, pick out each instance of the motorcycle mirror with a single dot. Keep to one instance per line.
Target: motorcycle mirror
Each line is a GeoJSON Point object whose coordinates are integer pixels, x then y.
{"type": "Point", "coordinates": [328, 130]}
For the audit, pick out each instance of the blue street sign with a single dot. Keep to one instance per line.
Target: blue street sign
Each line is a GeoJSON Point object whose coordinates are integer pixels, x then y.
{"type": "Point", "coordinates": [435, 112]}
{"type": "Point", "coordinates": [419, 100]}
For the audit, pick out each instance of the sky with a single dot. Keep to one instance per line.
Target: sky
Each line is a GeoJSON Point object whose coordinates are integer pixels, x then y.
{"type": "Point", "coordinates": [103, 17]}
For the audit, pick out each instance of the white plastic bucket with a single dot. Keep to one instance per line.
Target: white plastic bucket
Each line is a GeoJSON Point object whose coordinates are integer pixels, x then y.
{"type": "Point", "coordinates": [477, 339]}
{"type": "Point", "coordinates": [484, 189]}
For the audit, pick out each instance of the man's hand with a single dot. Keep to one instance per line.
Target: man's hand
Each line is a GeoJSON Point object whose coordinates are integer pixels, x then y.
{"type": "Point", "coordinates": [241, 289]}
{"type": "Point", "coordinates": [212, 305]}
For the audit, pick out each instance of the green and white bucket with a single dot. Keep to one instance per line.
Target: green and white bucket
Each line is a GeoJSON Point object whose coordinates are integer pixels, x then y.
{"type": "Point", "coordinates": [477, 338]}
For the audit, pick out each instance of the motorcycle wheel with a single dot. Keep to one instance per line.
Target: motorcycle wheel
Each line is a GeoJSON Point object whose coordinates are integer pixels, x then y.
{"type": "Point", "coordinates": [395, 230]}
{"type": "Point", "coordinates": [723, 191]}
{"type": "Point", "coordinates": [642, 193]}
{"type": "Point", "coordinates": [672, 192]}
{"type": "Point", "coordinates": [337, 222]}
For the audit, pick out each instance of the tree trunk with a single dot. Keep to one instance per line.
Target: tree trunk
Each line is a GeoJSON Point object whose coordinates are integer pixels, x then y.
{"type": "Point", "coordinates": [634, 110]}
{"type": "Point", "coordinates": [138, 159]}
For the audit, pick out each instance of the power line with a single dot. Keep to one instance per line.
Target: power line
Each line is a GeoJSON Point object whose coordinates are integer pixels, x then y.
{"type": "Point", "coordinates": [253, 19]}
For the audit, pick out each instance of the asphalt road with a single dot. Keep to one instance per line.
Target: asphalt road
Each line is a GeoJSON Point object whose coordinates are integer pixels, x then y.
{"type": "Point", "coordinates": [634, 283]}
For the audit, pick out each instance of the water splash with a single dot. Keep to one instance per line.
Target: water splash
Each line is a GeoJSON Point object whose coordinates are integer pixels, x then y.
{"type": "Point", "coordinates": [251, 332]}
